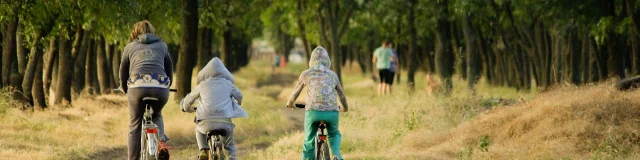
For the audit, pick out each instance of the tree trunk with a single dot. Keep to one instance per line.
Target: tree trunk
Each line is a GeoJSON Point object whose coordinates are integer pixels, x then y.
{"type": "Point", "coordinates": [76, 54]}
{"type": "Point", "coordinates": [89, 67]}
{"type": "Point", "coordinates": [49, 65]}
{"type": "Point", "coordinates": [102, 69]}
{"type": "Point", "coordinates": [444, 55]}
{"type": "Point", "coordinates": [473, 57]}
{"type": "Point", "coordinates": [575, 59]}
{"type": "Point", "coordinates": [300, 21]}
{"type": "Point", "coordinates": [79, 64]}
{"type": "Point", "coordinates": [21, 49]}
{"type": "Point", "coordinates": [65, 73]}
{"type": "Point", "coordinates": [54, 82]}
{"type": "Point", "coordinates": [115, 66]}
{"type": "Point", "coordinates": [633, 36]}
{"type": "Point", "coordinates": [201, 50]}
{"type": "Point", "coordinates": [109, 53]}
{"type": "Point", "coordinates": [187, 47]}
{"type": "Point", "coordinates": [413, 44]}
{"type": "Point", "coordinates": [8, 50]}
{"type": "Point", "coordinates": [31, 69]}
{"type": "Point", "coordinates": [37, 91]}
{"type": "Point", "coordinates": [77, 42]}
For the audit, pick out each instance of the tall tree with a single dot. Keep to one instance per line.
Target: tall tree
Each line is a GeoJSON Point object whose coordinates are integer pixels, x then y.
{"type": "Point", "coordinates": [65, 73]}
{"type": "Point", "coordinates": [333, 24]}
{"type": "Point", "coordinates": [473, 57]}
{"type": "Point", "coordinates": [188, 46]}
{"type": "Point", "coordinates": [9, 49]}
{"type": "Point", "coordinates": [444, 54]}
{"type": "Point", "coordinates": [413, 44]}
{"type": "Point", "coordinates": [49, 65]}
{"type": "Point", "coordinates": [301, 26]}
{"type": "Point", "coordinates": [102, 68]}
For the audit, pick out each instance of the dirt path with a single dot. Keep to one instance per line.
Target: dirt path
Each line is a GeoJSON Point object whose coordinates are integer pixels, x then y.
{"type": "Point", "coordinates": [183, 146]}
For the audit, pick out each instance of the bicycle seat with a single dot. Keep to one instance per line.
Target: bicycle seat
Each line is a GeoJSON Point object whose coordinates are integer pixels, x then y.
{"type": "Point", "coordinates": [149, 100]}
{"type": "Point", "coordinates": [214, 132]}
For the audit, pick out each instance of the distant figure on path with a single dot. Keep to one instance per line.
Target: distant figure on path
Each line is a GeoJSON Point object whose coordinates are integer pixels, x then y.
{"type": "Point", "coordinates": [382, 57]}
{"type": "Point", "coordinates": [431, 85]}
{"type": "Point", "coordinates": [276, 63]}
{"type": "Point", "coordinates": [393, 66]}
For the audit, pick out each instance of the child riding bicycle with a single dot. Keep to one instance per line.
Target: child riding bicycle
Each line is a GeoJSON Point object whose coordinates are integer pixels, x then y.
{"type": "Point", "coordinates": [218, 101]}
{"type": "Point", "coordinates": [321, 103]}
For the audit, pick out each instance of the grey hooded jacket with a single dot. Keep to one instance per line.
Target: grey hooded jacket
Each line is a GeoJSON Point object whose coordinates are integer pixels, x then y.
{"type": "Point", "coordinates": [215, 94]}
{"type": "Point", "coordinates": [323, 84]}
{"type": "Point", "coordinates": [147, 54]}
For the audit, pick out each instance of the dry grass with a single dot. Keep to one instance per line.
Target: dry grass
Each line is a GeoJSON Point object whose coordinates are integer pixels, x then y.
{"type": "Point", "coordinates": [591, 122]}
{"type": "Point", "coordinates": [97, 127]}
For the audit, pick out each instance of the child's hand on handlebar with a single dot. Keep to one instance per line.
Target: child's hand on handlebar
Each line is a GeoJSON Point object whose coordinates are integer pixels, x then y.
{"type": "Point", "coordinates": [343, 109]}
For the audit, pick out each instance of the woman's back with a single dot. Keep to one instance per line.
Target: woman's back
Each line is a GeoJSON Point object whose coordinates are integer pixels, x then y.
{"type": "Point", "coordinates": [147, 54]}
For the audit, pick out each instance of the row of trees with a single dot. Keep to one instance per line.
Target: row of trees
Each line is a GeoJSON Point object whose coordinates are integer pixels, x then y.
{"type": "Point", "coordinates": [508, 42]}
{"type": "Point", "coordinates": [52, 50]}
{"type": "Point", "coordinates": [59, 48]}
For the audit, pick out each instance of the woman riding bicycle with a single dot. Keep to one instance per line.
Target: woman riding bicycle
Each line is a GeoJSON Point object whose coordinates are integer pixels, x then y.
{"type": "Point", "coordinates": [321, 103]}
{"type": "Point", "coordinates": [145, 71]}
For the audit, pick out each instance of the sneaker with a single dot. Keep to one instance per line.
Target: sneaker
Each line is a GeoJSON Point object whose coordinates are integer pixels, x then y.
{"type": "Point", "coordinates": [204, 154]}
{"type": "Point", "coordinates": [164, 151]}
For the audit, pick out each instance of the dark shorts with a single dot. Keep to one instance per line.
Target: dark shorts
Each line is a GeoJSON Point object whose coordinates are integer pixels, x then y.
{"type": "Point", "coordinates": [391, 77]}
{"type": "Point", "coordinates": [385, 76]}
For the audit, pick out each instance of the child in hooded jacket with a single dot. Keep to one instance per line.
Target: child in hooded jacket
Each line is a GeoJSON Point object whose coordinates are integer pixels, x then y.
{"type": "Point", "coordinates": [323, 87]}
{"type": "Point", "coordinates": [218, 102]}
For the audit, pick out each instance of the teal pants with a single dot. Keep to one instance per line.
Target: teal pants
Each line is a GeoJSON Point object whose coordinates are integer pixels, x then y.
{"type": "Point", "coordinates": [311, 129]}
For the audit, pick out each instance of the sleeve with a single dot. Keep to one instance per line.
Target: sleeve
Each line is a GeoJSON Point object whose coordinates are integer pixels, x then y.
{"type": "Point", "coordinates": [124, 70]}
{"type": "Point", "coordinates": [341, 95]}
{"type": "Point", "coordinates": [235, 93]}
{"type": "Point", "coordinates": [186, 105]}
{"type": "Point", "coordinates": [297, 89]}
{"type": "Point", "coordinates": [168, 65]}
{"type": "Point", "coordinates": [373, 58]}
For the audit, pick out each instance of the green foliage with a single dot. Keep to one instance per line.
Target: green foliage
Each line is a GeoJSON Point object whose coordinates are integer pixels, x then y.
{"type": "Point", "coordinates": [484, 143]}
{"type": "Point", "coordinates": [601, 29]}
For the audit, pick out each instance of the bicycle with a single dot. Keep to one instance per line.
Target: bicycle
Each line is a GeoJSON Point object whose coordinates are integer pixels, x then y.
{"type": "Point", "coordinates": [321, 151]}
{"type": "Point", "coordinates": [149, 139]}
{"type": "Point", "coordinates": [216, 144]}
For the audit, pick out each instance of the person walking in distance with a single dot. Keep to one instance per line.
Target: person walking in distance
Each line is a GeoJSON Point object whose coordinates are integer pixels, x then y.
{"type": "Point", "coordinates": [393, 66]}
{"type": "Point", "coordinates": [382, 57]}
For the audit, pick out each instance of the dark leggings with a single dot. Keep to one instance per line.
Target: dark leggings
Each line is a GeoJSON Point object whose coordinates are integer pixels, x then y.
{"type": "Point", "coordinates": [136, 111]}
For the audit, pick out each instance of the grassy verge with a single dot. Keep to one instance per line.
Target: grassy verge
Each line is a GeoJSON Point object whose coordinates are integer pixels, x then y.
{"type": "Point", "coordinates": [594, 122]}
{"type": "Point", "coordinates": [97, 127]}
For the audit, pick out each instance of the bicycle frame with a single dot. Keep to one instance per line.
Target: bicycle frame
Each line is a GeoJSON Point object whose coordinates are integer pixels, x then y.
{"type": "Point", "coordinates": [321, 138]}
{"type": "Point", "coordinates": [149, 137]}
{"type": "Point", "coordinates": [216, 147]}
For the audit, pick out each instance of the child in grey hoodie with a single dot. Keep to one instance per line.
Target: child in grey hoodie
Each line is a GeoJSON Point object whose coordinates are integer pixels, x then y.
{"type": "Point", "coordinates": [218, 101]}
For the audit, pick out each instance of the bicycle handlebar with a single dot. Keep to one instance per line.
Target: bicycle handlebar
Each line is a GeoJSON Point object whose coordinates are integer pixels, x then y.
{"type": "Point", "coordinates": [300, 105]}
{"type": "Point", "coordinates": [170, 90]}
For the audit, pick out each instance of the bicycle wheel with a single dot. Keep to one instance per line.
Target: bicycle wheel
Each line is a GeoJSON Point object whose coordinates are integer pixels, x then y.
{"type": "Point", "coordinates": [143, 145]}
{"type": "Point", "coordinates": [212, 148]}
{"type": "Point", "coordinates": [322, 151]}
{"type": "Point", "coordinates": [219, 149]}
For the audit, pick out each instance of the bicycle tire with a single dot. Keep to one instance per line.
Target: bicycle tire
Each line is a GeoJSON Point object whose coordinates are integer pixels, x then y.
{"type": "Point", "coordinates": [220, 149]}
{"type": "Point", "coordinates": [143, 145]}
{"type": "Point", "coordinates": [212, 149]}
{"type": "Point", "coordinates": [324, 152]}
